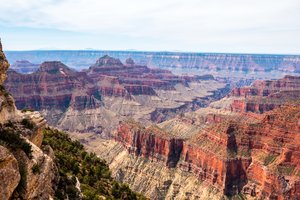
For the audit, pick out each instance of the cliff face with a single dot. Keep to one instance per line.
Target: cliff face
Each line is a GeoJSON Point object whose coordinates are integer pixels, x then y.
{"type": "Point", "coordinates": [255, 155]}
{"type": "Point", "coordinates": [26, 172]}
{"type": "Point", "coordinates": [151, 143]}
{"type": "Point", "coordinates": [263, 96]}
{"type": "Point", "coordinates": [108, 92]}
{"type": "Point", "coordinates": [4, 65]}
{"type": "Point", "coordinates": [230, 159]}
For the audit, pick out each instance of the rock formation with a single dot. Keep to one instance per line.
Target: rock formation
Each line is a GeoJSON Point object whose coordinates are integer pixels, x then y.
{"type": "Point", "coordinates": [228, 152]}
{"type": "Point", "coordinates": [108, 92]}
{"type": "Point", "coordinates": [4, 65]}
{"type": "Point", "coordinates": [24, 66]}
{"type": "Point", "coordinates": [245, 145]}
{"type": "Point", "coordinates": [263, 96]}
{"type": "Point", "coordinates": [20, 150]}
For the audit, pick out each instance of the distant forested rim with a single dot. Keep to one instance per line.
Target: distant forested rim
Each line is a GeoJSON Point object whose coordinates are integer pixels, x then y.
{"type": "Point", "coordinates": [213, 61]}
{"type": "Point", "coordinates": [76, 164]}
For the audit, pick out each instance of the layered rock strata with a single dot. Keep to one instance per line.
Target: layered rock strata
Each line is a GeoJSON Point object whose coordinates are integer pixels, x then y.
{"type": "Point", "coordinates": [263, 96]}
{"type": "Point", "coordinates": [232, 152]}
{"type": "Point", "coordinates": [24, 66]}
{"type": "Point", "coordinates": [204, 61]}
{"type": "Point", "coordinates": [108, 92]}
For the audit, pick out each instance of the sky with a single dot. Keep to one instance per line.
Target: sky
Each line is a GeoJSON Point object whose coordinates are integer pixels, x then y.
{"type": "Point", "coordinates": [233, 26]}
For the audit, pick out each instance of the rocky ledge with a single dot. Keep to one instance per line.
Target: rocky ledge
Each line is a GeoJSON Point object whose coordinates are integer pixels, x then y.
{"type": "Point", "coordinates": [26, 172]}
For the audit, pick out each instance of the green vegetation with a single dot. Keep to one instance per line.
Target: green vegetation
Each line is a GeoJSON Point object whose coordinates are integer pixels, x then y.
{"type": "Point", "coordinates": [285, 170]}
{"type": "Point", "coordinates": [10, 137]}
{"type": "Point", "coordinates": [3, 91]}
{"type": "Point", "coordinates": [245, 152]}
{"type": "Point", "coordinates": [27, 110]}
{"type": "Point", "coordinates": [237, 197]}
{"type": "Point", "coordinates": [28, 124]}
{"type": "Point", "coordinates": [231, 153]}
{"type": "Point", "coordinates": [74, 162]}
{"type": "Point", "coordinates": [36, 169]}
{"type": "Point", "coordinates": [269, 159]}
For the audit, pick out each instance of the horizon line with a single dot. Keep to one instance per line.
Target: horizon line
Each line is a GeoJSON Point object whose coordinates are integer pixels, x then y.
{"type": "Point", "coordinates": [156, 51]}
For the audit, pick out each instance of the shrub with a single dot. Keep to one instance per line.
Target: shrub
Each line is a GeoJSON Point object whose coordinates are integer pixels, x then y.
{"type": "Point", "coordinates": [28, 124]}
{"type": "Point", "coordinates": [9, 124]}
{"type": "Point", "coordinates": [36, 168]}
{"type": "Point", "coordinates": [269, 159]}
{"type": "Point", "coordinates": [13, 139]}
{"type": "Point", "coordinates": [27, 109]}
{"type": "Point", "coordinates": [285, 170]}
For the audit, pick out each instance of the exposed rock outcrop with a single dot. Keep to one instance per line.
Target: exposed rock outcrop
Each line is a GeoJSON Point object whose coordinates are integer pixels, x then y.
{"type": "Point", "coordinates": [9, 173]}
{"type": "Point", "coordinates": [4, 65]}
{"type": "Point", "coordinates": [26, 172]}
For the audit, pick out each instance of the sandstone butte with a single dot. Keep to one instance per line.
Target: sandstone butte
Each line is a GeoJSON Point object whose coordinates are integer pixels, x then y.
{"type": "Point", "coordinates": [54, 84]}
{"type": "Point", "coordinates": [96, 99]}
{"type": "Point", "coordinates": [246, 144]}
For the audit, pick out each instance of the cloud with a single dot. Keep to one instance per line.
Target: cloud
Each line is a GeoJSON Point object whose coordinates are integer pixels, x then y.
{"type": "Point", "coordinates": [189, 23]}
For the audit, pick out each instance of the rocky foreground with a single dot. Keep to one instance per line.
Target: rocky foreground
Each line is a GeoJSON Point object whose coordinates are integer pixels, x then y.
{"type": "Point", "coordinates": [95, 100]}
{"type": "Point", "coordinates": [246, 146]}
{"type": "Point", "coordinates": [20, 142]}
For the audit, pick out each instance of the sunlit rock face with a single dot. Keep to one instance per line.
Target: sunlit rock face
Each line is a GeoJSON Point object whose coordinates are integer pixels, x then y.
{"type": "Point", "coordinates": [108, 92]}
{"type": "Point", "coordinates": [245, 144]}
{"type": "Point", "coordinates": [263, 96]}
{"type": "Point", "coordinates": [18, 180]}
{"type": "Point", "coordinates": [254, 153]}
{"type": "Point", "coordinates": [3, 65]}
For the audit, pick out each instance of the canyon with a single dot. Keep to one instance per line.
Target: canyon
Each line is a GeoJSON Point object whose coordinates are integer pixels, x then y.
{"type": "Point", "coordinates": [96, 99]}
{"type": "Point", "coordinates": [227, 149]}
{"type": "Point", "coordinates": [172, 136]}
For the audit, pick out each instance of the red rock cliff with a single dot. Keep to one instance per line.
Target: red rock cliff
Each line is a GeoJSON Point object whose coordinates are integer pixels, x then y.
{"type": "Point", "coordinates": [251, 154]}
{"type": "Point", "coordinates": [263, 96]}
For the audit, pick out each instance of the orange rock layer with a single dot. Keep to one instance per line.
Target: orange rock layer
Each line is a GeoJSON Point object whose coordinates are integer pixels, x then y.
{"type": "Point", "coordinates": [250, 154]}
{"type": "Point", "coordinates": [263, 96]}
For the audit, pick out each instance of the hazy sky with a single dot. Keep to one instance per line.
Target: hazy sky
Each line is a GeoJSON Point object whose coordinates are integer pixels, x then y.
{"type": "Point", "coordinates": [252, 26]}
